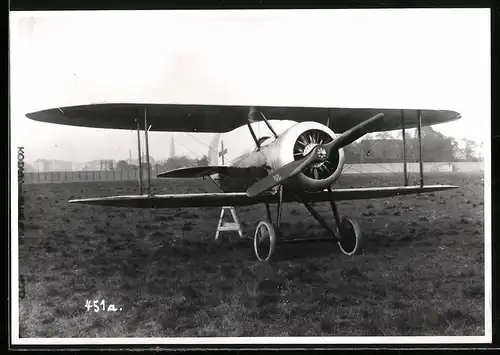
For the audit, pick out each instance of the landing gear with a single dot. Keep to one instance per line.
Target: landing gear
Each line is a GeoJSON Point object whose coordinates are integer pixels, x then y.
{"type": "Point", "coordinates": [264, 241]}
{"type": "Point", "coordinates": [347, 232]}
{"type": "Point", "coordinates": [350, 237]}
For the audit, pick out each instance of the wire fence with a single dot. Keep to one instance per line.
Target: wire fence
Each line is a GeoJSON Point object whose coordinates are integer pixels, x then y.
{"type": "Point", "coordinates": [76, 176]}
{"type": "Point", "coordinates": [128, 175]}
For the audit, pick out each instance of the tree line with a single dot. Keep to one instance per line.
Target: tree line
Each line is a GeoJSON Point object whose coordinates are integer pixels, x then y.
{"type": "Point", "coordinates": [436, 147]}
{"type": "Point", "coordinates": [374, 148]}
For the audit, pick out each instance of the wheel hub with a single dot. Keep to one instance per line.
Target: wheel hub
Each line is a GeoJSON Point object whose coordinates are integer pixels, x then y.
{"type": "Point", "coordinates": [308, 149]}
{"type": "Point", "coordinates": [321, 153]}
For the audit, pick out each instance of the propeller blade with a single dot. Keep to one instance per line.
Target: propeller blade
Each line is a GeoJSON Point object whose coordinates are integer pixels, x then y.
{"type": "Point", "coordinates": [282, 174]}
{"type": "Point", "coordinates": [354, 133]}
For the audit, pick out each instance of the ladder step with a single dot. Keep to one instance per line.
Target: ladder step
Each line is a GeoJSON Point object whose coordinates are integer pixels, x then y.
{"type": "Point", "coordinates": [228, 227]}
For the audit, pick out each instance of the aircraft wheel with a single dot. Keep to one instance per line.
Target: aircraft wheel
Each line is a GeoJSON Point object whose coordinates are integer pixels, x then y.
{"type": "Point", "coordinates": [264, 241]}
{"type": "Point", "coordinates": [350, 233]}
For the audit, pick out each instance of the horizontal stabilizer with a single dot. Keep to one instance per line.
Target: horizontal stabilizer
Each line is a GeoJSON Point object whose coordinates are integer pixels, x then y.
{"type": "Point", "coordinates": [242, 199]}
{"type": "Point", "coordinates": [197, 171]}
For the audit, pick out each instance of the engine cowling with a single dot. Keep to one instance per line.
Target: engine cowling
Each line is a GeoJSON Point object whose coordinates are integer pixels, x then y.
{"type": "Point", "coordinates": [298, 141]}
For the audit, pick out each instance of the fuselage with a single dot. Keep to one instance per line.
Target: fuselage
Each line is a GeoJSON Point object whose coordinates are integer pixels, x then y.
{"type": "Point", "coordinates": [238, 149]}
{"type": "Point", "coordinates": [251, 160]}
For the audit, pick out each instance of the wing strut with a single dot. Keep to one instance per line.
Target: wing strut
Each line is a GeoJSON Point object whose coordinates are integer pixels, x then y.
{"type": "Point", "coordinates": [405, 171]}
{"type": "Point", "coordinates": [253, 135]}
{"type": "Point", "coordinates": [419, 128]}
{"type": "Point", "coordinates": [139, 152]}
{"type": "Point", "coordinates": [253, 112]}
{"type": "Point", "coordinates": [146, 129]}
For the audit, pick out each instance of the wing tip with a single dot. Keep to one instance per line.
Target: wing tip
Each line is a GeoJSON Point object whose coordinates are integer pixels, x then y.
{"type": "Point", "coordinates": [455, 115]}
{"type": "Point", "coordinates": [33, 115]}
{"type": "Point", "coordinates": [78, 201]}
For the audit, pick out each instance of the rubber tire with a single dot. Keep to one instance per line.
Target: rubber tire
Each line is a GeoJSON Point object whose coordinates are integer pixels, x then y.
{"type": "Point", "coordinates": [346, 221]}
{"type": "Point", "coordinates": [272, 240]}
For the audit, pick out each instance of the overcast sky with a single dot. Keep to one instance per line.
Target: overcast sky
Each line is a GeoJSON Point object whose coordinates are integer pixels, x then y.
{"type": "Point", "coordinates": [429, 59]}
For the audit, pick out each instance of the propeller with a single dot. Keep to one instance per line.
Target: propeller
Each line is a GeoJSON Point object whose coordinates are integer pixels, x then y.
{"type": "Point", "coordinates": [319, 153]}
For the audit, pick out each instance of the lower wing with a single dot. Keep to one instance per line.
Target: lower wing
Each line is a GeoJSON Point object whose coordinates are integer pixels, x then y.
{"type": "Point", "coordinates": [242, 199]}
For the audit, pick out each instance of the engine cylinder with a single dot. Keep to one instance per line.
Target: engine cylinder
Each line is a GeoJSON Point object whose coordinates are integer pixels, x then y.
{"type": "Point", "coordinates": [297, 142]}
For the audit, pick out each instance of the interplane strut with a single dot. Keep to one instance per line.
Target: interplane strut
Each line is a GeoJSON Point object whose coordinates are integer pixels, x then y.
{"type": "Point", "coordinates": [139, 153]}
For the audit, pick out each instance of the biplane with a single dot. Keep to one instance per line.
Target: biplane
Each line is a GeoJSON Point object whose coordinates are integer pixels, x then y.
{"type": "Point", "coordinates": [297, 164]}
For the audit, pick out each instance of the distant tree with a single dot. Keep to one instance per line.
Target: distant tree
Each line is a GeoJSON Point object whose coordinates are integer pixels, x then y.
{"type": "Point", "coordinates": [122, 165]}
{"type": "Point", "coordinates": [203, 161]}
{"type": "Point", "coordinates": [480, 151]}
{"type": "Point", "coordinates": [436, 147]}
{"type": "Point", "coordinates": [470, 149]}
{"type": "Point", "coordinates": [425, 131]}
{"type": "Point", "coordinates": [381, 148]}
{"type": "Point", "coordinates": [457, 152]}
{"type": "Point", "coordinates": [177, 162]}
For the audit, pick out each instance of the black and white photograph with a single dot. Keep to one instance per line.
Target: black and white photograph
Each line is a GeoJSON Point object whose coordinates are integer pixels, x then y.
{"type": "Point", "coordinates": [250, 177]}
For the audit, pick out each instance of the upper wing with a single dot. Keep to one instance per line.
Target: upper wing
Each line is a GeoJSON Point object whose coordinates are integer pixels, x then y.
{"type": "Point", "coordinates": [242, 199]}
{"type": "Point", "coordinates": [220, 118]}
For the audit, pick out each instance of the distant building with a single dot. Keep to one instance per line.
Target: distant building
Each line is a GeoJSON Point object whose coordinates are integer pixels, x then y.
{"type": "Point", "coordinates": [93, 165]}
{"type": "Point", "coordinates": [172, 147]}
{"type": "Point", "coordinates": [79, 166]}
{"type": "Point", "coordinates": [98, 165]}
{"type": "Point", "coordinates": [143, 160]}
{"type": "Point", "coordinates": [42, 165]}
{"type": "Point", "coordinates": [45, 165]}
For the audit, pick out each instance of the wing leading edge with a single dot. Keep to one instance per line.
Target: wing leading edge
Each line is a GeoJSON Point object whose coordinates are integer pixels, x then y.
{"type": "Point", "coordinates": [242, 199]}
{"type": "Point", "coordinates": [201, 171]}
{"type": "Point", "coordinates": [223, 118]}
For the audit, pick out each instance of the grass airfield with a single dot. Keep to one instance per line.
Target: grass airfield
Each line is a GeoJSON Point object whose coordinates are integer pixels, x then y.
{"type": "Point", "coordinates": [421, 271]}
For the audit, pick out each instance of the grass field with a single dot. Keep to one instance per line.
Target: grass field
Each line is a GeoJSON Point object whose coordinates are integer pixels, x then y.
{"type": "Point", "coordinates": [421, 272]}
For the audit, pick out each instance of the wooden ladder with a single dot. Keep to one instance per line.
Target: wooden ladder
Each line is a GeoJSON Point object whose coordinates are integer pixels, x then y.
{"type": "Point", "coordinates": [228, 226]}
